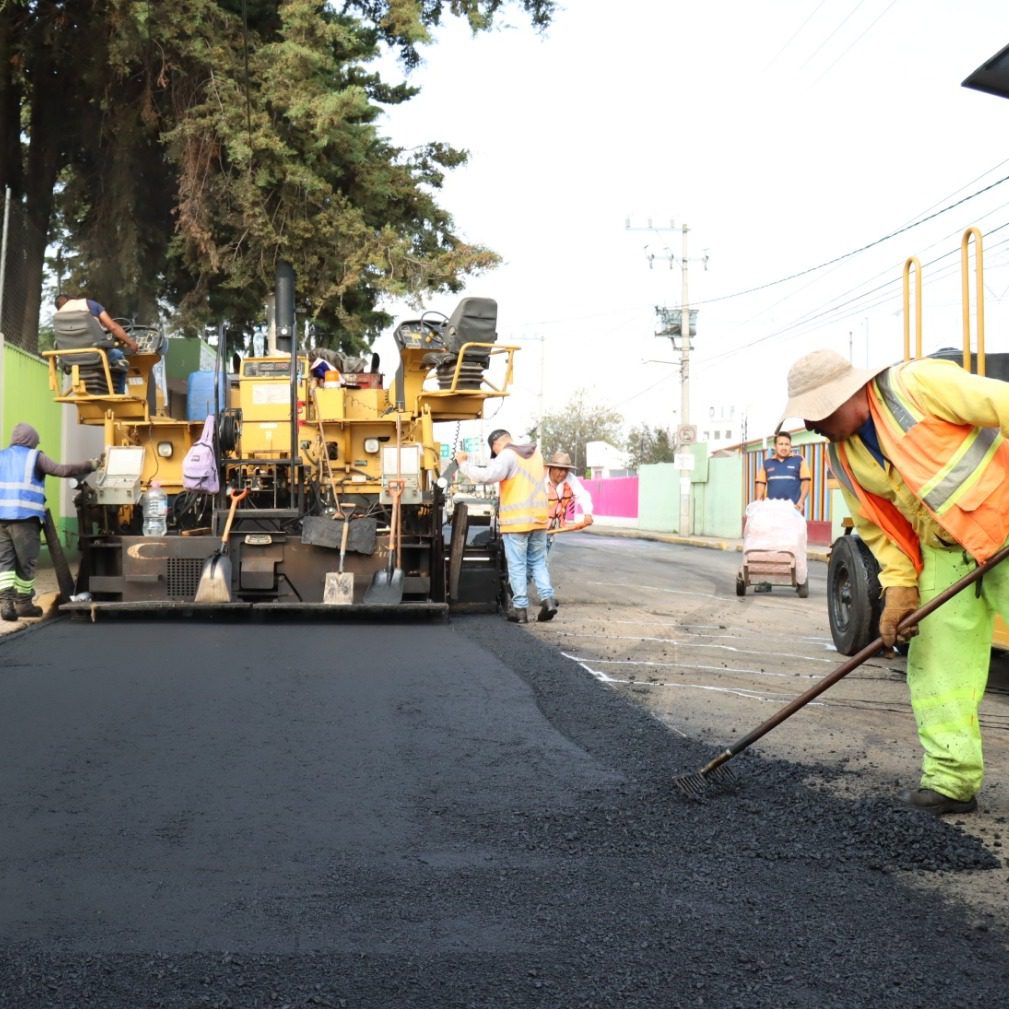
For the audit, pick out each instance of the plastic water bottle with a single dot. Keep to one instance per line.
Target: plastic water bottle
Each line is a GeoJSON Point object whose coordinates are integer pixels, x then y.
{"type": "Point", "coordinates": [155, 510]}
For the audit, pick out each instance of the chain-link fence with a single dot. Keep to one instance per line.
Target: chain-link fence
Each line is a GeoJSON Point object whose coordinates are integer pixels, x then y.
{"type": "Point", "coordinates": [20, 294]}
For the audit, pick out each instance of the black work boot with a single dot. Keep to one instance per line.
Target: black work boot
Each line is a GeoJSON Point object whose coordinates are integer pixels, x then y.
{"type": "Point", "coordinates": [518, 616]}
{"type": "Point", "coordinates": [930, 801]}
{"type": "Point", "coordinates": [24, 607]}
{"type": "Point", "coordinates": [7, 610]}
{"type": "Point", "coordinates": [548, 608]}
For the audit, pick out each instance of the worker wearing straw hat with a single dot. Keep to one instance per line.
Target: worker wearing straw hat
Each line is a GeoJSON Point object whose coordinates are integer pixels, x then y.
{"type": "Point", "coordinates": [566, 495]}
{"type": "Point", "coordinates": [920, 452]}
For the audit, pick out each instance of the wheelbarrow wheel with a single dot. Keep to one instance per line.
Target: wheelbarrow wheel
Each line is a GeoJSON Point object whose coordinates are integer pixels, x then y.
{"type": "Point", "coordinates": [802, 590]}
{"type": "Point", "coordinates": [740, 586]}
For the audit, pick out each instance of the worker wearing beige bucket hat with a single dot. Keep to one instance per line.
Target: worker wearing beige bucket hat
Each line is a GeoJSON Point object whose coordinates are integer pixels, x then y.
{"type": "Point", "coordinates": [921, 455]}
{"type": "Point", "coordinates": [821, 383]}
{"type": "Point", "coordinates": [566, 495]}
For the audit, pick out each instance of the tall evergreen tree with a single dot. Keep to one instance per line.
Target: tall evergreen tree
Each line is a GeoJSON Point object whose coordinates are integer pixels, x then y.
{"type": "Point", "coordinates": [192, 145]}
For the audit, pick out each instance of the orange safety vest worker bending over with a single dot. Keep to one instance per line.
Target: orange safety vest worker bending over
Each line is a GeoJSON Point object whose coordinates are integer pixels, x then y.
{"type": "Point", "coordinates": [920, 452]}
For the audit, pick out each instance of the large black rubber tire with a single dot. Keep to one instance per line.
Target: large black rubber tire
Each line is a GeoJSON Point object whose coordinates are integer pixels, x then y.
{"type": "Point", "coordinates": [853, 600]}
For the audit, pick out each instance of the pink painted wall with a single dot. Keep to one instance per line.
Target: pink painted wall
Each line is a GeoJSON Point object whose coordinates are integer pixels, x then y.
{"type": "Point", "coordinates": [614, 498]}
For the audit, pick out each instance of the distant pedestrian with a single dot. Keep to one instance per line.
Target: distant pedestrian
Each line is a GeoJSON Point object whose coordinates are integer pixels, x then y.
{"type": "Point", "coordinates": [23, 469]}
{"type": "Point", "coordinates": [783, 475]}
{"type": "Point", "coordinates": [522, 518]}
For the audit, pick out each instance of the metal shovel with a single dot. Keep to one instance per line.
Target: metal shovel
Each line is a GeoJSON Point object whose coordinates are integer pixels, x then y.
{"type": "Point", "coordinates": [340, 585]}
{"type": "Point", "coordinates": [386, 587]}
{"type": "Point", "coordinates": [215, 580]}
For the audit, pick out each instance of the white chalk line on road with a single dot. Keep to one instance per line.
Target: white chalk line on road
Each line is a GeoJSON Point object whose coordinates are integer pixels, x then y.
{"type": "Point", "coordinates": [691, 644]}
{"type": "Point", "coordinates": [746, 671]}
{"type": "Point", "coordinates": [738, 691]}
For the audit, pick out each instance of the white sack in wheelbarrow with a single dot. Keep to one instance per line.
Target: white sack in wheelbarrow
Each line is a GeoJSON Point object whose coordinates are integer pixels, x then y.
{"type": "Point", "coordinates": [773, 524]}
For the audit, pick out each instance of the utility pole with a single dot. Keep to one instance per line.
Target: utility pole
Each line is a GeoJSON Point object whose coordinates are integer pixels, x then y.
{"type": "Point", "coordinates": [685, 439]}
{"type": "Point", "coordinates": [680, 324]}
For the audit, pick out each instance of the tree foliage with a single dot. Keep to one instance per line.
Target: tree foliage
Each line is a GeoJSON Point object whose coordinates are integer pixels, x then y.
{"type": "Point", "coordinates": [647, 444]}
{"type": "Point", "coordinates": [573, 427]}
{"type": "Point", "coordinates": [175, 152]}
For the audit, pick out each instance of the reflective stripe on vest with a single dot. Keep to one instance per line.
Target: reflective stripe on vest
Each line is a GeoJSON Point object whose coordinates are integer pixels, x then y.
{"type": "Point", "coordinates": [958, 471]}
{"type": "Point", "coordinates": [875, 509]}
{"type": "Point", "coordinates": [22, 493]}
{"type": "Point", "coordinates": [562, 507]}
{"type": "Point", "coordinates": [523, 503]}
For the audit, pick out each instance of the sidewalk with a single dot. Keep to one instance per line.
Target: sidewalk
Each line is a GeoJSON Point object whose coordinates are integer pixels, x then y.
{"type": "Point", "coordinates": [813, 553]}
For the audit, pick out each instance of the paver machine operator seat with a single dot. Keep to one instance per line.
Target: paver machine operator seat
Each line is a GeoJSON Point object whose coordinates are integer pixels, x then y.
{"type": "Point", "coordinates": [473, 321]}
{"type": "Point", "coordinates": [77, 330]}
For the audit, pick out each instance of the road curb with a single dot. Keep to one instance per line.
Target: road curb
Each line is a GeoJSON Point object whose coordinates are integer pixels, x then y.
{"type": "Point", "coordinates": [817, 553]}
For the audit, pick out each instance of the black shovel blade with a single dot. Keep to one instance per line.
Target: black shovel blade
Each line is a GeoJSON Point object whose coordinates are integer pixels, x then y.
{"type": "Point", "coordinates": [386, 588]}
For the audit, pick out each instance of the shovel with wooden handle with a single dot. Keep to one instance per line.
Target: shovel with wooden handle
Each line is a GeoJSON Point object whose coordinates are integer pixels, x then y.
{"type": "Point", "coordinates": [340, 585]}
{"type": "Point", "coordinates": [215, 581]}
{"type": "Point", "coordinates": [386, 587]}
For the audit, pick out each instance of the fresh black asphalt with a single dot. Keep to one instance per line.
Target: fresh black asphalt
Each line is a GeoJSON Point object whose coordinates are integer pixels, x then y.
{"type": "Point", "coordinates": [245, 816]}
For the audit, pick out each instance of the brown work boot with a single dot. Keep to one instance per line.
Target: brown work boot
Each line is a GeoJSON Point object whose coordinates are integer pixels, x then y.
{"type": "Point", "coordinates": [24, 607]}
{"type": "Point", "coordinates": [548, 608]}
{"type": "Point", "coordinates": [518, 616]}
{"type": "Point", "coordinates": [930, 801]}
{"type": "Point", "coordinates": [7, 610]}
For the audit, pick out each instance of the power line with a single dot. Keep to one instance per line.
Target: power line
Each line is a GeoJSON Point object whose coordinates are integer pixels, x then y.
{"type": "Point", "coordinates": [834, 310]}
{"type": "Point", "coordinates": [852, 45]}
{"type": "Point", "coordinates": [844, 21]}
{"type": "Point", "coordinates": [854, 252]}
{"type": "Point", "coordinates": [794, 35]}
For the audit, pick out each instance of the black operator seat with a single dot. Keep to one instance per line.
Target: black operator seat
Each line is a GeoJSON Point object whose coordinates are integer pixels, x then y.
{"type": "Point", "coordinates": [473, 321]}
{"type": "Point", "coordinates": [78, 329]}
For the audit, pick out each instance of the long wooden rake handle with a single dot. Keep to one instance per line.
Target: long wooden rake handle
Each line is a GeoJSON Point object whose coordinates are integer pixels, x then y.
{"type": "Point", "coordinates": [842, 671]}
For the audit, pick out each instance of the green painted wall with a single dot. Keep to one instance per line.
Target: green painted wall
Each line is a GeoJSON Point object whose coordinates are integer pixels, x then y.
{"type": "Point", "coordinates": [719, 500]}
{"type": "Point", "coordinates": [26, 397]}
{"type": "Point", "coordinates": [659, 497]}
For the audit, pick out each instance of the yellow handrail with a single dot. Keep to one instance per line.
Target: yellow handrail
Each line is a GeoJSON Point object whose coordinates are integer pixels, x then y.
{"type": "Point", "coordinates": [912, 261]}
{"type": "Point", "coordinates": [979, 288]}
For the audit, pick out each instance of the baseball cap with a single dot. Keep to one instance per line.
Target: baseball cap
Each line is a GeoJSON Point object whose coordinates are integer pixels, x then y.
{"type": "Point", "coordinates": [493, 437]}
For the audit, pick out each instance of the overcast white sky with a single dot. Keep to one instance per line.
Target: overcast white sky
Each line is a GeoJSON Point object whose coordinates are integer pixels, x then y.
{"type": "Point", "coordinates": [785, 133]}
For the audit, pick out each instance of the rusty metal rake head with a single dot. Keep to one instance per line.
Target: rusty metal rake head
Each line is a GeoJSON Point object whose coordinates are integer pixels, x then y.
{"type": "Point", "coordinates": [699, 784]}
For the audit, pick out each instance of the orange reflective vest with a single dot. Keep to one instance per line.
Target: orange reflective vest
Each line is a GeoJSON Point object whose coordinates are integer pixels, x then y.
{"type": "Point", "coordinates": [960, 473]}
{"type": "Point", "coordinates": [522, 506]}
{"type": "Point", "coordinates": [562, 507]}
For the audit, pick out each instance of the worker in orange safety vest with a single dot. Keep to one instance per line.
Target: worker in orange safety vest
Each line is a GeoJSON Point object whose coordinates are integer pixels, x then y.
{"type": "Point", "coordinates": [522, 518]}
{"type": "Point", "coordinates": [921, 454]}
{"type": "Point", "coordinates": [566, 495]}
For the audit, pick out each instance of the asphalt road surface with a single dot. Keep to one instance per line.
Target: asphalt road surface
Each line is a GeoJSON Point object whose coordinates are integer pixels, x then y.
{"type": "Point", "coordinates": [465, 815]}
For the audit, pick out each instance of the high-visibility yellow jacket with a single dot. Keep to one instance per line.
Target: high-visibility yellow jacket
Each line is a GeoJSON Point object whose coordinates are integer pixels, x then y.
{"type": "Point", "coordinates": [946, 475]}
{"type": "Point", "coordinates": [522, 506]}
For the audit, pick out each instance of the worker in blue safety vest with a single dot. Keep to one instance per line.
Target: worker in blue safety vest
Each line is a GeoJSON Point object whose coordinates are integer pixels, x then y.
{"type": "Point", "coordinates": [23, 471]}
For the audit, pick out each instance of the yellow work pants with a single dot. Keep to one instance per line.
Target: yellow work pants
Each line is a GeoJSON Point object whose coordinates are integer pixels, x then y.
{"type": "Point", "coordinates": [947, 670]}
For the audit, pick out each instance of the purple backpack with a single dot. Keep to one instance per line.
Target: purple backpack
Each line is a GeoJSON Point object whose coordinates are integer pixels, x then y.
{"type": "Point", "coordinates": [199, 468]}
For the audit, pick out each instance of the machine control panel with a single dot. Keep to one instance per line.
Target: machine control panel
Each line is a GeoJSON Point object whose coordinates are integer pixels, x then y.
{"type": "Point", "coordinates": [118, 481]}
